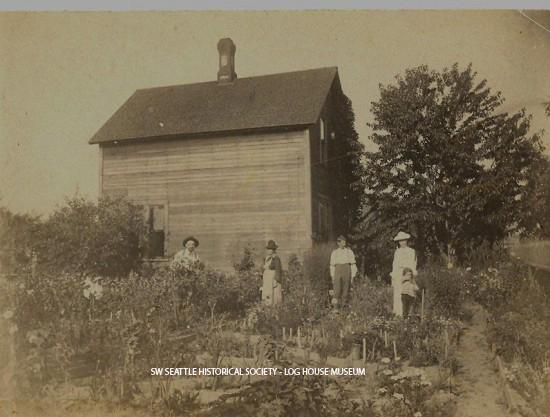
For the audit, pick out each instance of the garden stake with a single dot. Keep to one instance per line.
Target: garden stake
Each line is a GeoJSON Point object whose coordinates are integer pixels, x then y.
{"type": "Point", "coordinates": [364, 350]}
{"type": "Point", "coordinates": [446, 343]}
{"type": "Point", "coordinates": [373, 349]}
{"type": "Point", "coordinates": [394, 351]}
{"type": "Point", "coordinates": [284, 333]}
{"type": "Point", "coordinates": [422, 308]}
{"type": "Point", "coordinates": [385, 338]}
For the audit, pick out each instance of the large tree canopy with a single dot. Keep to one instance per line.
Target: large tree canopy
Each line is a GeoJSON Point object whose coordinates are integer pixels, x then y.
{"type": "Point", "coordinates": [450, 167]}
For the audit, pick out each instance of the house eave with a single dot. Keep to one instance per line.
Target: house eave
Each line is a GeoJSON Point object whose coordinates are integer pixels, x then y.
{"type": "Point", "coordinates": [178, 136]}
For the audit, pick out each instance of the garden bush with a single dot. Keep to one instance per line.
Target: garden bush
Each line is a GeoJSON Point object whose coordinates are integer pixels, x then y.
{"type": "Point", "coordinates": [446, 290]}
{"type": "Point", "coordinates": [519, 311]}
{"type": "Point", "coordinates": [104, 238]}
{"type": "Point", "coordinates": [316, 267]}
{"type": "Point", "coordinates": [279, 396]}
{"type": "Point", "coordinates": [371, 299]}
{"type": "Point", "coordinates": [17, 237]}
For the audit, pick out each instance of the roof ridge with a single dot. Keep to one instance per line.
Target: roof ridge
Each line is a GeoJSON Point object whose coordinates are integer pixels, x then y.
{"type": "Point", "coordinates": [333, 67]}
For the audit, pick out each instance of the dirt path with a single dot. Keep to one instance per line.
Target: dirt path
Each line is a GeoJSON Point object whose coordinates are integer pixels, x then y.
{"type": "Point", "coordinates": [480, 392]}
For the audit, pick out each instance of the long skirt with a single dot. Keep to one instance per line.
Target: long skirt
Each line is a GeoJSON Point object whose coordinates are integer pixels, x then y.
{"type": "Point", "coordinates": [271, 289]}
{"type": "Point", "coordinates": [396, 284]}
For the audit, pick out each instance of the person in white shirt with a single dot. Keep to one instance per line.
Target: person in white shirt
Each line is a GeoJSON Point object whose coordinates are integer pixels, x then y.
{"type": "Point", "coordinates": [404, 257]}
{"type": "Point", "coordinates": [188, 257]}
{"type": "Point", "coordinates": [342, 270]}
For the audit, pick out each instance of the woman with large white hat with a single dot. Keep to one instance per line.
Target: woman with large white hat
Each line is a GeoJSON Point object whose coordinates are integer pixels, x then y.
{"type": "Point", "coordinates": [404, 257]}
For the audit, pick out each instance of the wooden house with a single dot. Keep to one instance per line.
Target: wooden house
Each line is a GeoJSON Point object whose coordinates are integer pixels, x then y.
{"type": "Point", "coordinates": [234, 162]}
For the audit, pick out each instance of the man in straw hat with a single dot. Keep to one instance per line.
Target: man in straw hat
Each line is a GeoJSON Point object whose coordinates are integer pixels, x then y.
{"type": "Point", "coordinates": [342, 270]}
{"type": "Point", "coordinates": [404, 257]}
{"type": "Point", "coordinates": [188, 257]}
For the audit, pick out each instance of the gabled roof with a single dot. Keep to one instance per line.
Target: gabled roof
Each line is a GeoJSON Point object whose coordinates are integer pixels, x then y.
{"type": "Point", "coordinates": [289, 99]}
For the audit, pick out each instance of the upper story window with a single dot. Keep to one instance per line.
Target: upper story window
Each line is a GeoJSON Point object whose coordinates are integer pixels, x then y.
{"type": "Point", "coordinates": [323, 142]}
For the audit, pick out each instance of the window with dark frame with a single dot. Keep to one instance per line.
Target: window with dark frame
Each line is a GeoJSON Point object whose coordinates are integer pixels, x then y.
{"type": "Point", "coordinates": [156, 228]}
{"type": "Point", "coordinates": [323, 142]}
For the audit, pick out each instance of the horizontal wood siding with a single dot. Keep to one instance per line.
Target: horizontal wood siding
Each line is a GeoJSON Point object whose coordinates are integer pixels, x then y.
{"type": "Point", "coordinates": [230, 192]}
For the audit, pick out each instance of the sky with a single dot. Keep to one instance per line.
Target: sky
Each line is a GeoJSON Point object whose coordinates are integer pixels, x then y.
{"type": "Point", "coordinates": [63, 74]}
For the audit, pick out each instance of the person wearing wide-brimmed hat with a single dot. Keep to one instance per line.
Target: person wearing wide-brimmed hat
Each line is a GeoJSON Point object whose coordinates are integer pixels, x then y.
{"type": "Point", "coordinates": [187, 257]}
{"type": "Point", "coordinates": [272, 276]}
{"type": "Point", "coordinates": [404, 257]}
{"type": "Point", "coordinates": [342, 270]}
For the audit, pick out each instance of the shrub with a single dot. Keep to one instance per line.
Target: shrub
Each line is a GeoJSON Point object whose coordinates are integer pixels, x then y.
{"type": "Point", "coordinates": [100, 238]}
{"type": "Point", "coordinates": [446, 290]}
{"type": "Point", "coordinates": [17, 234]}
{"type": "Point", "coordinates": [289, 396]}
{"type": "Point", "coordinates": [519, 311]}
{"type": "Point", "coordinates": [371, 299]}
{"type": "Point", "coordinates": [316, 267]}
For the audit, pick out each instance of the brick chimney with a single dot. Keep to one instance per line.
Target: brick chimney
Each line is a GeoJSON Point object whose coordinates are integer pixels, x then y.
{"type": "Point", "coordinates": [226, 72]}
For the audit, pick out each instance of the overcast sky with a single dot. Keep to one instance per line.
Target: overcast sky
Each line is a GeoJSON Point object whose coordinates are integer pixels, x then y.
{"type": "Point", "coordinates": [64, 74]}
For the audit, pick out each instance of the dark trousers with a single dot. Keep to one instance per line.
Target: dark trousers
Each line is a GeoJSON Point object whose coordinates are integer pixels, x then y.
{"type": "Point", "coordinates": [341, 283]}
{"type": "Point", "coordinates": [408, 304]}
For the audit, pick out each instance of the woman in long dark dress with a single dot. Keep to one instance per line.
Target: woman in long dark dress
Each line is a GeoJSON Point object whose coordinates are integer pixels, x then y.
{"type": "Point", "coordinates": [272, 276]}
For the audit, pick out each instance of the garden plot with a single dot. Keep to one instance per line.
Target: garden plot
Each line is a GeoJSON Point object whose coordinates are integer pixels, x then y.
{"type": "Point", "coordinates": [126, 327]}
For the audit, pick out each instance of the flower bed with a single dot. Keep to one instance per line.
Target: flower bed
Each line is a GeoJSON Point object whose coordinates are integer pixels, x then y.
{"type": "Point", "coordinates": [518, 329]}
{"type": "Point", "coordinates": [108, 333]}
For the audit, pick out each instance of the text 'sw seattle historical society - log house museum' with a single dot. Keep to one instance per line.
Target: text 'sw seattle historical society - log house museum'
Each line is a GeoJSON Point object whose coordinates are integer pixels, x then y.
{"type": "Point", "coordinates": [234, 162]}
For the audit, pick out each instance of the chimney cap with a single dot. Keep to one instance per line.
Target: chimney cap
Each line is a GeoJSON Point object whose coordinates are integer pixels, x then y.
{"type": "Point", "coordinates": [226, 45]}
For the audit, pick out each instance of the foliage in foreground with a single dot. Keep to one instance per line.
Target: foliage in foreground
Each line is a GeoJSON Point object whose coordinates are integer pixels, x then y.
{"type": "Point", "coordinates": [519, 311]}
{"type": "Point", "coordinates": [118, 327]}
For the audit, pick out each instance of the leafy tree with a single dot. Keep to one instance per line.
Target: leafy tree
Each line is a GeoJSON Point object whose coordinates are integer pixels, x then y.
{"type": "Point", "coordinates": [101, 238]}
{"type": "Point", "coordinates": [536, 207]}
{"type": "Point", "coordinates": [16, 239]}
{"type": "Point", "coordinates": [449, 166]}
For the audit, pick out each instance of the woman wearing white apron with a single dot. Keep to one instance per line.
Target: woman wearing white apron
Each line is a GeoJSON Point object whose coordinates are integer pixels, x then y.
{"type": "Point", "coordinates": [272, 276]}
{"type": "Point", "coordinates": [404, 257]}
